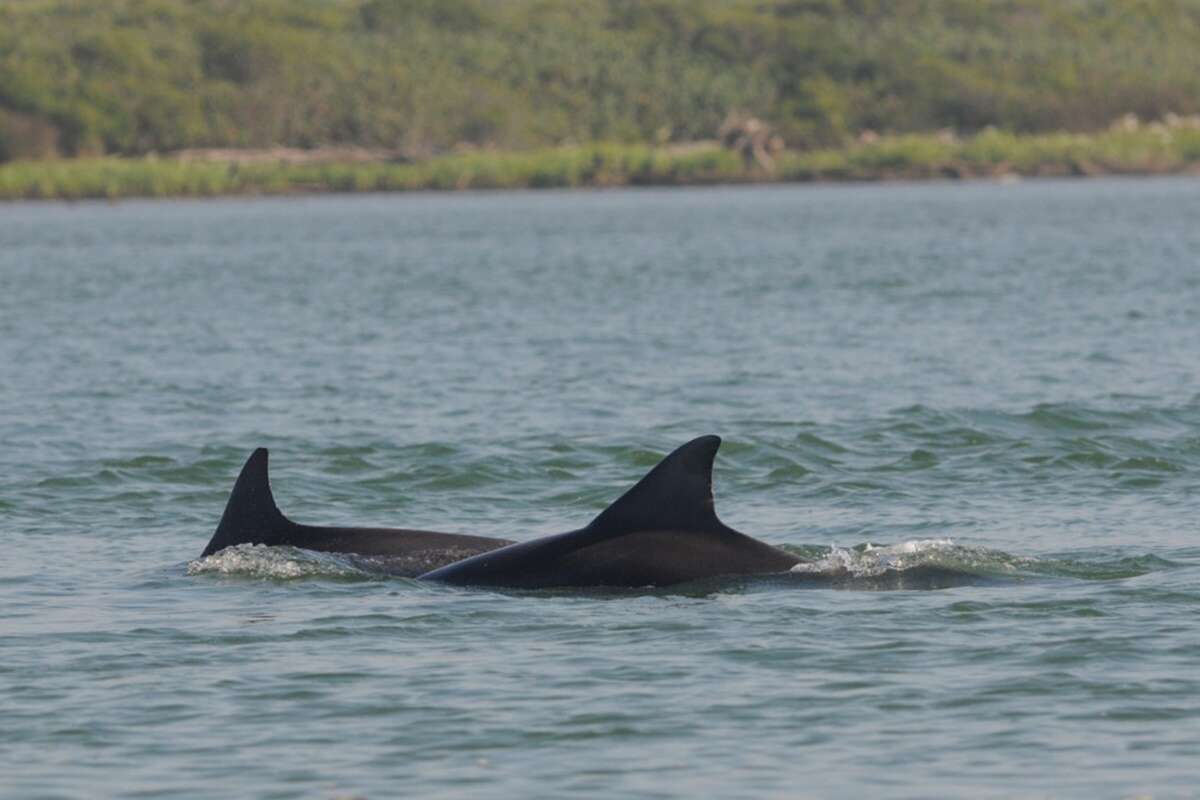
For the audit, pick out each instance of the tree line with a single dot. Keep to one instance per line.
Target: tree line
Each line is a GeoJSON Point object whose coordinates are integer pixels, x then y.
{"type": "Point", "coordinates": [422, 77]}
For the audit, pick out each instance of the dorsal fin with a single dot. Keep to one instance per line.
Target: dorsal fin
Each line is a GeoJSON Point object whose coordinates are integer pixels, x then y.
{"type": "Point", "coordinates": [675, 495]}
{"type": "Point", "coordinates": [251, 516]}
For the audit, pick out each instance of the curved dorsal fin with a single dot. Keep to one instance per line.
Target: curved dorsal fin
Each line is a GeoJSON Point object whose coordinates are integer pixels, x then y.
{"type": "Point", "coordinates": [675, 495]}
{"type": "Point", "coordinates": [251, 516]}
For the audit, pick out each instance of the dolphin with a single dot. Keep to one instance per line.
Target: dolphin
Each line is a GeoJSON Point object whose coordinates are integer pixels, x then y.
{"type": "Point", "coordinates": [252, 517]}
{"type": "Point", "coordinates": [663, 531]}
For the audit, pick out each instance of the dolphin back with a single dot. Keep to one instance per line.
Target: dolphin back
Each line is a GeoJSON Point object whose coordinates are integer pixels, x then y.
{"type": "Point", "coordinates": [663, 531]}
{"type": "Point", "coordinates": [252, 517]}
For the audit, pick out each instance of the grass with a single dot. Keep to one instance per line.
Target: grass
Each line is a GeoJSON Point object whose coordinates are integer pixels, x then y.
{"type": "Point", "coordinates": [1130, 149]}
{"type": "Point", "coordinates": [1141, 150]}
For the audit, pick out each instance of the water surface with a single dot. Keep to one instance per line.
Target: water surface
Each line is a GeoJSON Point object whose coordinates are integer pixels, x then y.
{"type": "Point", "coordinates": [997, 381]}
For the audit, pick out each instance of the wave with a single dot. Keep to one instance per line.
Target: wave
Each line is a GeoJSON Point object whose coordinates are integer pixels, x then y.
{"type": "Point", "coordinates": [914, 563]}
{"type": "Point", "coordinates": [869, 560]}
{"type": "Point", "coordinates": [277, 563]}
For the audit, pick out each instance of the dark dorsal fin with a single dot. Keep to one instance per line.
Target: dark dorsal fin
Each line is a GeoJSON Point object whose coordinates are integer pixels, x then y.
{"type": "Point", "coordinates": [675, 495]}
{"type": "Point", "coordinates": [251, 516]}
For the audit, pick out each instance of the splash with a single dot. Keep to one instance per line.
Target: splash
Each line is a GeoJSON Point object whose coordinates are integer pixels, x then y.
{"type": "Point", "coordinates": [873, 560]}
{"type": "Point", "coordinates": [277, 563]}
{"type": "Point", "coordinates": [870, 560]}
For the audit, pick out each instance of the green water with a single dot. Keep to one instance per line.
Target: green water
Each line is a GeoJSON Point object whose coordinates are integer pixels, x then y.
{"type": "Point", "coordinates": [1001, 383]}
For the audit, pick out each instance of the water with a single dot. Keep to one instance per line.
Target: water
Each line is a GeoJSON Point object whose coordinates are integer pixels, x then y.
{"type": "Point", "coordinates": [1002, 382]}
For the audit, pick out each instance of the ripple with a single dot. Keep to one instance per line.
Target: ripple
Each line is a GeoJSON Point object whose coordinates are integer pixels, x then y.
{"type": "Point", "coordinates": [994, 427]}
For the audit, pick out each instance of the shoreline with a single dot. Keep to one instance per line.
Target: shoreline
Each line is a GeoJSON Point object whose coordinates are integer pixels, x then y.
{"type": "Point", "coordinates": [1154, 149]}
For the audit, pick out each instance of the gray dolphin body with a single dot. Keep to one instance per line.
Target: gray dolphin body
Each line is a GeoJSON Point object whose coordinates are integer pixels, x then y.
{"type": "Point", "coordinates": [252, 517]}
{"type": "Point", "coordinates": [663, 531]}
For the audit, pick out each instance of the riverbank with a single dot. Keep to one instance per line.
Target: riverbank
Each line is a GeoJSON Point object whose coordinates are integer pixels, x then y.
{"type": "Point", "coordinates": [1158, 148]}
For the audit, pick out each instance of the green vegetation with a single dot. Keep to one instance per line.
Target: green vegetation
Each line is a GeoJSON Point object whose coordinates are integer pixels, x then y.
{"type": "Point", "coordinates": [1146, 149]}
{"type": "Point", "coordinates": [94, 97]}
{"type": "Point", "coordinates": [1123, 149]}
{"type": "Point", "coordinates": [423, 77]}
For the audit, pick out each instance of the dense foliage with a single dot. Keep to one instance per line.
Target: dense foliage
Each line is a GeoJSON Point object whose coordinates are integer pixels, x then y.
{"type": "Point", "coordinates": [424, 76]}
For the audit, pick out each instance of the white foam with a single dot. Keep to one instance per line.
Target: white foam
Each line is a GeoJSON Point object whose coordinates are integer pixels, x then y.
{"type": "Point", "coordinates": [280, 563]}
{"type": "Point", "coordinates": [871, 559]}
